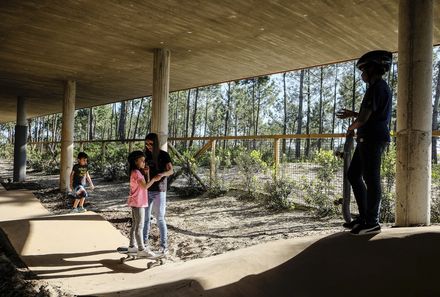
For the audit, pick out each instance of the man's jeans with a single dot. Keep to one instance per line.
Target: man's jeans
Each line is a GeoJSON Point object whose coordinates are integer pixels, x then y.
{"type": "Point", "coordinates": [364, 177]}
{"type": "Point", "coordinates": [156, 202]}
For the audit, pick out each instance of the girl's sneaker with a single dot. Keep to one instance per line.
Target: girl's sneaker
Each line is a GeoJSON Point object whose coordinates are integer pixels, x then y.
{"type": "Point", "coordinates": [163, 251]}
{"type": "Point", "coordinates": [81, 209]}
{"type": "Point", "coordinates": [74, 210]}
{"type": "Point", "coordinates": [132, 250]}
{"type": "Point", "coordinates": [146, 254]}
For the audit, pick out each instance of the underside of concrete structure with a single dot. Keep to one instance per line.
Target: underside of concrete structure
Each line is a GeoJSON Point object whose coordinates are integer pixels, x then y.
{"type": "Point", "coordinates": [107, 48]}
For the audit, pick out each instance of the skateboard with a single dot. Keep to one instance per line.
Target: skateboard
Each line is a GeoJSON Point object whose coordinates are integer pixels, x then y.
{"type": "Point", "coordinates": [154, 261]}
{"type": "Point", "coordinates": [346, 188]}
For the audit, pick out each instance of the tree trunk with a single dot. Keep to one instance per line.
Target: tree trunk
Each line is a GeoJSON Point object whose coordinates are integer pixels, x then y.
{"type": "Point", "coordinates": [300, 115]}
{"type": "Point", "coordinates": [354, 87]}
{"type": "Point", "coordinates": [137, 118]}
{"type": "Point", "coordinates": [435, 116]}
{"type": "Point", "coordinates": [334, 106]}
{"type": "Point", "coordinates": [307, 150]}
{"type": "Point", "coordinates": [254, 82]}
{"type": "Point", "coordinates": [194, 118]}
{"type": "Point", "coordinates": [188, 101]}
{"type": "Point", "coordinates": [285, 113]}
{"type": "Point", "coordinates": [122, 122]}
{"type": "Point", "coordinates": [29, 130]}
{"type": "Point", "coordinates": [47, 125]}
{"type": "Point", "coordinates": [206, 118]}
{"type": "Point", "coordinates": [228, 102]}
{"type": "Point", "coordinates": [130, 120]}
{"type": "Point", "coordinates": [320, 107]}
{"type": "Point", "coordinates": [90, 124]}
{"type": "Point", "coordinates": [176, 115]}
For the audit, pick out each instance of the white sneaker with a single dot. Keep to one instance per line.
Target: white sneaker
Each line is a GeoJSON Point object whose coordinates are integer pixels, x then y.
{"type": "Point", "coordinates": [146, 254]}
{"type": "Point", "coordinates": [133, 249]}
{"type": "Point", "coordinates": [164, 251]}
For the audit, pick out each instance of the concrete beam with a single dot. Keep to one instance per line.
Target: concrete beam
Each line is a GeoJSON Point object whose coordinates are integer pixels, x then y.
{"type": "Point", "coordinates": [414, 113]}
{"type": "Point", "coordinates": [66, 162]}
{"type": "Point", "coordinates": [160, 100]}
{"type": "Point", "coordinates": [19, 174]}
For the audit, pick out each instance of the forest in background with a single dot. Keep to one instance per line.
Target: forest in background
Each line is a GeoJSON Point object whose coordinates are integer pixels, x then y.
{"type": "Point", "coordinates": [296, 102]}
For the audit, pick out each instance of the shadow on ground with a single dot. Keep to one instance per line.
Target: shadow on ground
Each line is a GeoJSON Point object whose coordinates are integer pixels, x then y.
{"type": "Point", "coordinates": [337, 265]}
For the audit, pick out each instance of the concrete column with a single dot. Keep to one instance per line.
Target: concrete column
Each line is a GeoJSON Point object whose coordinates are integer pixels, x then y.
{"type": "Point", "coordinates": [161, 87]}
{"type": "Point", "coordinates": [414, 113]}
{"type": "Point", "coordinates": [67, 134]}
{"type": "Point", "coordinates": [20, 142]}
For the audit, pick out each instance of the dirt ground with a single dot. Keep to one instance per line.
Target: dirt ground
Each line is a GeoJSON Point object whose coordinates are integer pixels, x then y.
{"type": "Point", "coordinates": [197, 227]}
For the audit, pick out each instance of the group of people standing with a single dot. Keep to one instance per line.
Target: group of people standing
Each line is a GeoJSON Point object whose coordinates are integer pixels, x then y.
{"type": "Point", "coordinates": [150, 168]}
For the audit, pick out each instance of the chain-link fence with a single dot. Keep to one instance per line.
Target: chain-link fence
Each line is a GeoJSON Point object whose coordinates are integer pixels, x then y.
{"type": "Point", "coordinates": [312, 165]}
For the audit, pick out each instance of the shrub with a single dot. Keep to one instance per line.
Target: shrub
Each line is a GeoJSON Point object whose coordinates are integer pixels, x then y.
{"type": "Point", "coordinates": [249, 166]}
{"type": "Point", "coordinates": [115, 165]}
{"type": "Point", "coordinates": [46, 160]}
{"type": "Point", "coordinates": [435, 202]}
{"type": "Point", "coordinates": [6, 151]}
{"type": "Point", "coordinates": [278, 191]}
{"type": "Point", "coordinates": [388, 173]}
{"type": "Point", "coordinates": [320, 193]}
{"type": "Point", "coordinates": [217, 186]}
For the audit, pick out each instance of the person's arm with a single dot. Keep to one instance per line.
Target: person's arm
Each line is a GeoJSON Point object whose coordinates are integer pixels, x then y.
{"type": "Point", "coordinates": [148, 184]}
{"type": "Point", "coordinates": [362, 118]}
{"type": "Point", "coordinates": [89, 180]}
{"type": "Point", "coordinates": [71, 181]}
{"type": "Point", "coordinates": [345, 113]}
{"type": "Point", "coordinates": [169, 171]}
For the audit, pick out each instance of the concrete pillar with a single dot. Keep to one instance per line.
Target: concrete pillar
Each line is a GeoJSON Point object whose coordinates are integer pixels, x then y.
{"type": "Point", "coordinates": [67, 134]}
{"type": "Point", "coordinates": [414, 113]}
{"type": "Point", "coordinates": [161, 86]}
{"type": "Point", "coordinates": [20, 142]}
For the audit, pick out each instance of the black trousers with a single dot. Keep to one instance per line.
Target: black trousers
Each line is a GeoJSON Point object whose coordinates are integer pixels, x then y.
{"type": "Point", "coordinates": [364, 177]}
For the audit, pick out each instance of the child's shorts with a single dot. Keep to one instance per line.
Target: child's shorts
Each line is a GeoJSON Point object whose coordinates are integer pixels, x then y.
{"type": "Point", "coordinates": [83, 193]}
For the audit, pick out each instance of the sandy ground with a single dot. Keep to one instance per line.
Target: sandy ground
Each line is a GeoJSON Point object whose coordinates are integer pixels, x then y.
{"type": "Point", "coordinates": [197, 227]}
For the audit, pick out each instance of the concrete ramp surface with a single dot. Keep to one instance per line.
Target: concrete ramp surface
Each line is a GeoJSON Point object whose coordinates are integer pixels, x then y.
{"type": "Point", "coordinates": [77, 252]}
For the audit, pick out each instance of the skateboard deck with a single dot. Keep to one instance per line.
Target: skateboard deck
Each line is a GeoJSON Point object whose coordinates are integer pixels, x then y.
{"type": "Point", "coordinates": [152, 261]}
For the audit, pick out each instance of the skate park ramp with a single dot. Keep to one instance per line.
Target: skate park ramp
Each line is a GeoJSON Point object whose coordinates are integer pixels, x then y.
{"type": "Point", "coordinates": [77, 253]}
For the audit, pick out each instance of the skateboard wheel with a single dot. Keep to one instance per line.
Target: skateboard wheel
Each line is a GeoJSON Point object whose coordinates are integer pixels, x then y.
{"type": "Point", "coordinates": [149, 265]}
{"type": "Point", "coordinates": [122, 260]}
{"type": "Point", "coordinates": [161, 262]}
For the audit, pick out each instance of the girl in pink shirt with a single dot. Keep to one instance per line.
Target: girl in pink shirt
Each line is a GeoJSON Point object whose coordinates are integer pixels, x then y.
{"type": "Point", "coordinates": [138, 200]}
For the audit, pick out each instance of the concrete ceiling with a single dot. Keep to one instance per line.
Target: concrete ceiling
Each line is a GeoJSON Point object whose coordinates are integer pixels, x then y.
{"type": "Point", "coordinates": [106, 46]}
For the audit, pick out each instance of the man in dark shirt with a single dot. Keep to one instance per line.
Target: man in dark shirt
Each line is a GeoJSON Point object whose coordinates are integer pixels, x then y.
{"type": "Point", "coordinates": [372, 137]}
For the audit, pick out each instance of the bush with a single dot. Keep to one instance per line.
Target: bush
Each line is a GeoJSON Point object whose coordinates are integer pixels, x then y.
{"type": "Point", "coordinates": [46, 160]}
{"type": "Point", "coordinates": [249, 166]}
{"type": "Point", "coordinates": [388, 173]}
{"type": "Point", "coordinates": [115, 165]}
{"type": "Point", "coordinates": [278, 192]}
{"type": "Point", "coordinates": [217, 187]}
{"type": "Point", "coordinates": [435, 202]}
{"type": "Point", "coordinates": [6, 151]}
{"type": "Point", "coordinates": [321, 192]}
